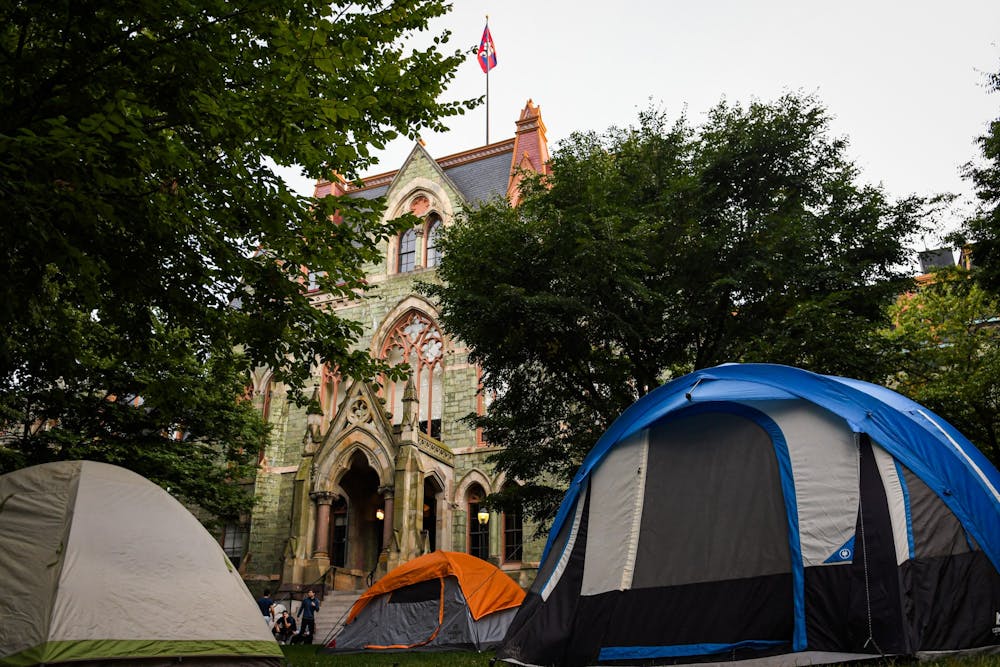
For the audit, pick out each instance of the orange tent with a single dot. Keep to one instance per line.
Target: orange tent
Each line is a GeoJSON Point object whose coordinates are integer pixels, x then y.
{"type": "Point", "coordinates": [472, 604]}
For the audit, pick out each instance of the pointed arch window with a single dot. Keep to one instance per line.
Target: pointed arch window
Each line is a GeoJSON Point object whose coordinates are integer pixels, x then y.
{"type": "Point", "coordinates": [512, 533]}
{"type": "Point", "coordinates": [407, 251]}
{"type": "Point", "coordinates": [434, 227]}
{"type": "Point", "coordinates": [234, 539]}
{"type": "Point", "coordinates": [479, 533]}
{"type": "Point", "coordinates": [484, 398]}
{"type": "Point", "coordinates": [330, 394]}
{"type": "Point", "coordinates": [417, 341]}
{"type": "Point", "coordinates": [265, 403]}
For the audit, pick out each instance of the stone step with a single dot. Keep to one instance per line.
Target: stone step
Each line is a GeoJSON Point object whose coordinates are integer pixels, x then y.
{"type": "Point", "coordinates": [332, 611]}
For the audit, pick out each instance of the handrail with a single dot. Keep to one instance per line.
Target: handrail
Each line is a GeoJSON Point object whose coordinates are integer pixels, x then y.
{"type": "Point", "coordinates": [319, 583]}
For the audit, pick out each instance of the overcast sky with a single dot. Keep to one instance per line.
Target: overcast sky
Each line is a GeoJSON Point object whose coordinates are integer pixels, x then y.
{"type": "Point", "coordinates": [904, 81]}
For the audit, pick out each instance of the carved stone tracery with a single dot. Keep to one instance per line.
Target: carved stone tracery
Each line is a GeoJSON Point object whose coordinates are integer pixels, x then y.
{"type": "Point", "coordinates": [360, 412]}
{"type": "Point", "coordinates": [415, 339]}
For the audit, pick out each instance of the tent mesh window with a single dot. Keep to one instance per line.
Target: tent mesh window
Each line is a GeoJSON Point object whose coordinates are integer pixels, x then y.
{"type": "Point", "coordinates": [422, 591]}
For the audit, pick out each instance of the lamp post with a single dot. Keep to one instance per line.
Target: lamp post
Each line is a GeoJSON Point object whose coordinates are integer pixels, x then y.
{"type": "Point", "coordinates": [483, 517]}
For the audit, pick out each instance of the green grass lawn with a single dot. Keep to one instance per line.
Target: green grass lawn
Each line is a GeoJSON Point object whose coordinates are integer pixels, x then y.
{"type": "Point", "coordinates": [306, 656]}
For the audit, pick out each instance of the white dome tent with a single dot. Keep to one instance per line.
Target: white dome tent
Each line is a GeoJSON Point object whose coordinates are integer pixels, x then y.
{"type": "Point", "coordinates": [99, 564]}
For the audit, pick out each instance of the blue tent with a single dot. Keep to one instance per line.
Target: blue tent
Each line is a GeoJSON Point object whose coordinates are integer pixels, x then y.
{"type": "Point", "coordinates": [750, 511]}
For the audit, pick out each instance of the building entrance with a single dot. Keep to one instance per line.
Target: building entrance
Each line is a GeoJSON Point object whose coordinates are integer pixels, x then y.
{"type": "Point", "coordinates": [432, 494]}
{"type": "Point", "coordinates": [356, 526]}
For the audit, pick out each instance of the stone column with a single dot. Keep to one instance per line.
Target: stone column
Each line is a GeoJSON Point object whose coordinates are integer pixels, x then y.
{"type": "Point", "coordinates": [420, 261]}
{"type": "Point", "coordinates": [496, 537]}
{"type": "Point", "coordinates": [387, 493]}
{"type": "Point", "coordinates": [408, 484]}
{"type": "Point", "coordinates": [323, 500]}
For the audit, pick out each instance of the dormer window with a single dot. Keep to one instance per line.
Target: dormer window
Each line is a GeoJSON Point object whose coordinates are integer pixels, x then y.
{"type": "Point", "coordinates": [314, 276]}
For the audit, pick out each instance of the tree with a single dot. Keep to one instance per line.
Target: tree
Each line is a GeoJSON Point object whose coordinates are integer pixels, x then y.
{"type": "Point", "coordinates": [151, 254]}
{"type": "Point", "coordinates": [949, 329]}
{"type": "Point", "coordinates": [659, 249]}
{"type": "Point", "coordinates": [984, 227]}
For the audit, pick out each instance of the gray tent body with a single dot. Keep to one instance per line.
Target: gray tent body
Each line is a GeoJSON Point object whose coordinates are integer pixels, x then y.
{"type": "Point", "coordinates": [100, 564]}
{"type": "Point", "coordinates": [410, 616]}
{"type": "Point", "coordinates": [767, 514]}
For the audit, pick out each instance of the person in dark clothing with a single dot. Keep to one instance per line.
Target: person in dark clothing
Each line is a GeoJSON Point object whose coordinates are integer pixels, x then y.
{"type": "Point", "coordinates": [310, 605]}
{"type": "Point", "coordinates": [266, 605]}
{"type": "Point", "coordinates": [284, 628]}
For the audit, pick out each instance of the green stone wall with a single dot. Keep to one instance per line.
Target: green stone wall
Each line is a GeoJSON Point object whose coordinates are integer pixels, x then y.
{"type": "Point", "coordinates": [272, 516]}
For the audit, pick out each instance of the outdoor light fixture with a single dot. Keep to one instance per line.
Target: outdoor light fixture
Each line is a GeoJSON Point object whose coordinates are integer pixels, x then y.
{"type": "Point", "coordinates": [379, 514]}
{"type": "Point", "coordinates": [483, 517]}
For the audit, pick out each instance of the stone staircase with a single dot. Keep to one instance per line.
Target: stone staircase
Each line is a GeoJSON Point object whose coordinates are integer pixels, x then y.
{"type": "Point", "coordinates": [332, 612]}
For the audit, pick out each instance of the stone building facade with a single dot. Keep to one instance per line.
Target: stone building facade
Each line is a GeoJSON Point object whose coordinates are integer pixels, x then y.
{"type": "Point", "coordinates": [387, 472]}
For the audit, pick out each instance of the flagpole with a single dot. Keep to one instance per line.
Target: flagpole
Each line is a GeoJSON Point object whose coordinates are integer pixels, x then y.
{"type": "Point", "coordinates": [487, 84]}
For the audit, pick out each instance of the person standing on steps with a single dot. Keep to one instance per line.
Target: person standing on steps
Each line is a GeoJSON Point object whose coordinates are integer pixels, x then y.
{"type": "Point", "coordinates": [310, 605]}
{"type": "Point", "coordinates": [266, 605]}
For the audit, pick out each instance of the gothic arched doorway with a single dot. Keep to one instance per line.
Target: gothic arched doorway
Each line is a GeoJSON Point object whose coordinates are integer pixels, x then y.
{"type": "Point", "coordinates": [356, 529]}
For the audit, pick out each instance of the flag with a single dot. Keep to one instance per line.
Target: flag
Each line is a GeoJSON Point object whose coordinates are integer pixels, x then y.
{"type": "Point", "coordinates": [487, 52]}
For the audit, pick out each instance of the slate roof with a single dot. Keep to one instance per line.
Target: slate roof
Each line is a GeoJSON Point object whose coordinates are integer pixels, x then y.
{"type": "Point", "coordinates": [936, 258]}
{"type": "Point", "coordinates": [370, 193]}
{"type": "Point", "coordinates": [479, 174]}
{"type": "Point", "coordinates": [482, 180]}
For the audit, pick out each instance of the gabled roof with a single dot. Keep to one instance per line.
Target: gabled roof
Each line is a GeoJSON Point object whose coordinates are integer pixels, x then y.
{"type": "Point", "coordinates": [418, 153]}
{"type": "Point", "coordinates": [477, 175]}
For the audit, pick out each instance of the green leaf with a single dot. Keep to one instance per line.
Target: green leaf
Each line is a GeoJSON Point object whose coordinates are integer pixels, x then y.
{"type": "Point", "coordinates": [653, 250]}
{"type": "Point", "coordinates": [152, 239]}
